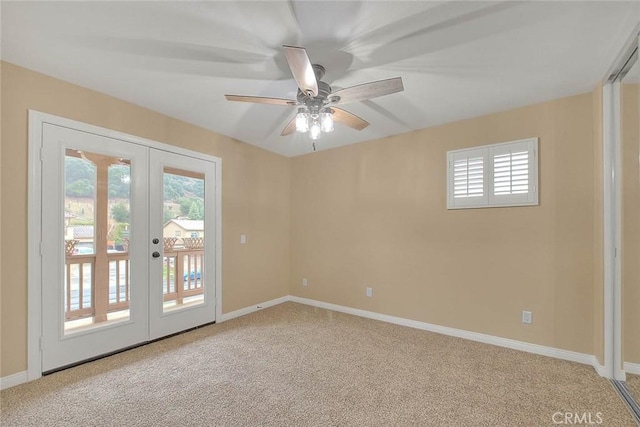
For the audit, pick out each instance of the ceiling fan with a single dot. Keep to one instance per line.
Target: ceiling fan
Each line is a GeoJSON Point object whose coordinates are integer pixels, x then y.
{"type": "Point", "coordinates": [316, 102]}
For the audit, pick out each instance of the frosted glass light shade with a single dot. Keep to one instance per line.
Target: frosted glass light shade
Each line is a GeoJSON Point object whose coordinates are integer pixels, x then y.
{"type": "Point", "coordinates": [302, 122]}
{"type": "Point", "coordinates": [314, 130]}
{"type": "Point", "coordinates": [326, 121]}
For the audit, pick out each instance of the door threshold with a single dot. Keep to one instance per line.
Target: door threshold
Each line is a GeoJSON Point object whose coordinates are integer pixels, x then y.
{"type": "Point", "coordinates": [629, 401]}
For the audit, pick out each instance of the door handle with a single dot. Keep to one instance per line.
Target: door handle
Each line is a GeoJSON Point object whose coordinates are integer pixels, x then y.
{"type": "Point", "coordinates": [156, 254]}
{"type": "Point", "coordinates": [156, 241]}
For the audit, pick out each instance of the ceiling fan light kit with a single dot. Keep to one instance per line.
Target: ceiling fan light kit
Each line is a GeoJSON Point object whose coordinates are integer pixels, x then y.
{"type": "Point", "coordinates": [315, 100]}
{"type": "Point", "coordinates": [314, 122]}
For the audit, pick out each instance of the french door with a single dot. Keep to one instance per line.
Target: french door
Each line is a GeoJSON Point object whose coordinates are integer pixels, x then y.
{"type": "Point", "coordinates": [128, 244]}
{"type": "Point", "coordinates": [183, 260]}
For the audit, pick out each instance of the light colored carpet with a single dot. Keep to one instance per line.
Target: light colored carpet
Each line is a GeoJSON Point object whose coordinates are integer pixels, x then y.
{"type": "Point", "coordinates": [294, 365]}
{"type": "Point", "coordinates": [633, 385]}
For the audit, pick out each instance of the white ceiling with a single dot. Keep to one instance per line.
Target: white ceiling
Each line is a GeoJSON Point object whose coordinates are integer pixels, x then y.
{"type": "Point", "coordinates": [457, 59]}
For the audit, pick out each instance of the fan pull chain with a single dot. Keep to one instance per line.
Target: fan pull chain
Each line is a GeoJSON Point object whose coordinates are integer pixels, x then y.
{"type": "Point", "coordinates": [314, 146]}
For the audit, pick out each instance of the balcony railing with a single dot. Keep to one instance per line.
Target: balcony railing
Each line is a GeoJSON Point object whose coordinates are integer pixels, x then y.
{"type": "Point", "coordinates": [186, 266]}
{"type": "Point", "coordinates": [182, 278]}
{"type": "Point", "coordinates": [79, 286]}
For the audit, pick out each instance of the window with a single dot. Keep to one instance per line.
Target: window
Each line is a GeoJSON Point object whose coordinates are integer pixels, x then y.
{"type": "Point", "coordinates": [178, 233]}
{"type": "Point", "coordinates": [493, 175]}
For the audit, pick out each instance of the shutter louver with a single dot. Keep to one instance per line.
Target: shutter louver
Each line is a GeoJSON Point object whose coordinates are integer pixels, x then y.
{"type": "Point", "coordinates": [468, 177]}
{"type": "Point", "coordinates": [511, 173]}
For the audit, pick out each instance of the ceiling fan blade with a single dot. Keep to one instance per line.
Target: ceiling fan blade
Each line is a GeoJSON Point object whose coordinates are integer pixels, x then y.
{"type": "Point", "coordinates": [290, 127]}
{"type": "Point", "coordinates": [301, 69]}
{"type": "Point", "coordinates": [367, 91]}
{"type": "Point", "coordinates": [261, 100]}
{"type": "Point", "coordinates": [349, 119]}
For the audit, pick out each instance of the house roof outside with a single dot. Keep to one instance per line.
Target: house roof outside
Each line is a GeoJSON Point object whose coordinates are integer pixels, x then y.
{"type": "Point", "coordinates": [82, 231]}
{"type": "Point", "coordinates": [188, 224]}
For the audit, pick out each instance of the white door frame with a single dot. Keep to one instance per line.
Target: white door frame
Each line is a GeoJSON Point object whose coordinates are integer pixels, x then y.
{"type": "Point", "coordinates": [612, 212]}
{"type": "Point", "coordinates": [612, 200]}
{"type": "Point", "coordinates": [34, 222]}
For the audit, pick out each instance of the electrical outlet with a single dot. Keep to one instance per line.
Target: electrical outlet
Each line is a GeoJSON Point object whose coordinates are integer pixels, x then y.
{"type": "Point", "coordinates": [369, 292]}
{"type": "Point", "coordinates": [305, 282]}
{"type": "Point", "coordinates": [527, 317]}
{"type": "Point", "coordinates": [243, 239]}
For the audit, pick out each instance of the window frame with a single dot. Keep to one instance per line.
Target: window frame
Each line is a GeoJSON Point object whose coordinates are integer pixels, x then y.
{"type": "Point", "coordinates": [489, 199]}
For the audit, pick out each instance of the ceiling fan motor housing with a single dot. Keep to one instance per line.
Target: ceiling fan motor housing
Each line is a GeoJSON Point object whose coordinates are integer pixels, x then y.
{"type": "Point", "coordinates": [324, 90]}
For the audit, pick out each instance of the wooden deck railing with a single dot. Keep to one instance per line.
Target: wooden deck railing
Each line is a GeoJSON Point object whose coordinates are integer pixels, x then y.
{"type": "Point", "coordinates": [79, 299]}
{"type": "Point", "coordinates": [118, 281]}
{"type": "Point", "coordinates": [185, 265]}
{"type": "Point", "coordinates": [182, 278]}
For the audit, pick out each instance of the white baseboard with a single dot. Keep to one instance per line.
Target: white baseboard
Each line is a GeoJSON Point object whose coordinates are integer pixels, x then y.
{"type": "Point", "coordinates": [13, 380]}
{"type": "Point", "coordinates": [632, 368]}
{"type": "Point", "coordinates": [600, 369]}
{"type": "Point", "coordinates": [587, 359]}
{"type": "Point", "coordinates": [253, 308]}
{"type": "Point", "coordinates": [557, 353]}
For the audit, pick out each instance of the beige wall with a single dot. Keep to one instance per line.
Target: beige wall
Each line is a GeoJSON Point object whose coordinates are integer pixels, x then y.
{"type": "Point", "coordinates": [371, 214]}
{"type": "Point", "coordinates": [374, 214]}
{"type": "Point", "coordinates": [631, 222]}
{"type": "Point", "coordinates": [255, 189]}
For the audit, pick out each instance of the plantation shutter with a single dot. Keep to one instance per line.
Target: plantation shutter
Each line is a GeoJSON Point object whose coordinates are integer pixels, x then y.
{"type": "Point", "coordinates": [513, 173]}
{"type": "Point", "coordinates": [504, 174]}
{"type": "Point", "coordinates": [467, 178]}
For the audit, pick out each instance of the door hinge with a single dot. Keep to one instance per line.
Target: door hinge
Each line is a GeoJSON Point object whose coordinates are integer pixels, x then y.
{"type": "Point", "coordinates": [41, 249]}
{"type": "Point", "coordinates": [41, 343]}
{"type": "Point", "coordinates": [42, 154]}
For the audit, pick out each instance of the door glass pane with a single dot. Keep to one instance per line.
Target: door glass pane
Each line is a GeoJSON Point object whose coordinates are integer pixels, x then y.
{"type": "Point", "coordinates": [183, 274]}
{"type": "Point", "coordinates": [96, 231]}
